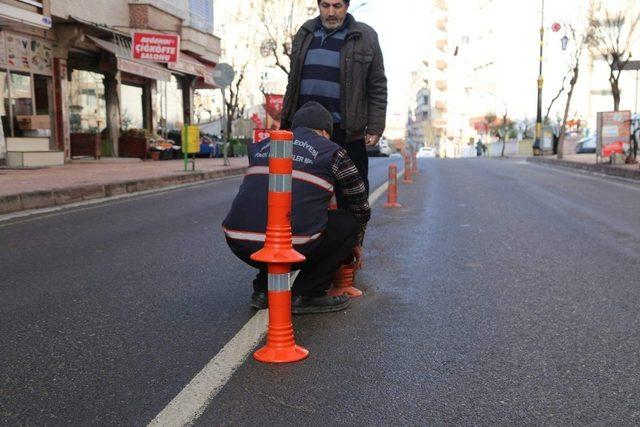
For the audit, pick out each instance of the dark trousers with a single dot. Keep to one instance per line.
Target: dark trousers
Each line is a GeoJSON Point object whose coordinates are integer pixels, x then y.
{"type": "Point", "coordinates": [324, 257]}
{"type": "Point", "coordinates": [357, 152]}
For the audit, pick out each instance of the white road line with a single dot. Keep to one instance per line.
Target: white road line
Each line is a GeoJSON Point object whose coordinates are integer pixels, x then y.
{"type": "Point", "coordinates": [380, 190]}
{"type": "Point", "coordinates": [193, 400]}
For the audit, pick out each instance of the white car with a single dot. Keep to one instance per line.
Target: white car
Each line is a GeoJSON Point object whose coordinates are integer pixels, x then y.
{"type": "Point", "coordinates": [426, 152]}
{"type": "Point", "coordinates": [385, 149]}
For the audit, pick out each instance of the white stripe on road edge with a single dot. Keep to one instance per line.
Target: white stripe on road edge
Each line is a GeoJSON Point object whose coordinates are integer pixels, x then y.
{"type": "Point", "coordinates": [380, 190]}
{"type": "Point", "coordinates": [193, 400]}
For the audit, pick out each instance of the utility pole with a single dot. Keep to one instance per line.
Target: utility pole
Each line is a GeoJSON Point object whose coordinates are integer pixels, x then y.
{"type": "Point", "coordinates": [537, 146]}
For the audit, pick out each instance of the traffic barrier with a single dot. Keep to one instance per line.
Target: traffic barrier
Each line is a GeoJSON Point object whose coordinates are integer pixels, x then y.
{"type": "Point", "coordinates": [415, 164]}
{"type": "Point", "coordinates": [279, 254]}
{"type": "Point", "coordinates": [343, 280]}
{"type": "Point", "coordinates": [408, 179]}
{"type": "Point", "coordinates": [392, 192]}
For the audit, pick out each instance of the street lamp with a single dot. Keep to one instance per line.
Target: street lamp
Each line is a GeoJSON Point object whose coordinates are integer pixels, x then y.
{"type": "Point", "coordinates": [537, 150]}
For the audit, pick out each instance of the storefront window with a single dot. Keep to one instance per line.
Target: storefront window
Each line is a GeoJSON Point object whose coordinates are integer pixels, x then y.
{"type": "Point", "coordinates": [170, 105]}
{"type": "Point", "coordinates": [87, 106]}
{"type": "Point", "coordinates": [21, 98]}
{"type": "Point", "coordinates": [131, 107]}
{"type": "Point", "coordinates": [4, 105]}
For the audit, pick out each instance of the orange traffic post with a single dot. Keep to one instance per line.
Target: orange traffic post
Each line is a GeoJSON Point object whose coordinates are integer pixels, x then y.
{"type": "Point", "coordinates": [279, 254]}
{"type": "Point", "coordinates": [343, 280]}
{"type": "Point", "coordinates": [392, 192]}
{"type": "Point", "coordinates": [408, 179]}
{"type": "Point", "coordinates": [415, 164]}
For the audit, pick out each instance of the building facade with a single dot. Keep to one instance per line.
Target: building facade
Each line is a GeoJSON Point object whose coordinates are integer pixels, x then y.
{"type": "Point", "coordinates": [71, 69]}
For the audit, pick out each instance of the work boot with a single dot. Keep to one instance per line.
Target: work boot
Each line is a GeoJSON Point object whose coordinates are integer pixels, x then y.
{"type": "Point", "coordinates": [259, 300]}
{"type": "Point", "coordinates": [325, 304]}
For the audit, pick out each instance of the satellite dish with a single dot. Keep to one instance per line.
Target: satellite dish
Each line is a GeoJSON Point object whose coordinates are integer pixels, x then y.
{"type": "Point", "coordinates": [223, 75]}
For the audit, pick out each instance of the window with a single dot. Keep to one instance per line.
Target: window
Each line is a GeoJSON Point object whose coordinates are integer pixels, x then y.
{"type": "Point", "coordinates": [21, 98]}
{"type": "Point", "coordinates": [87, 106]}
{"type": "Point", "coordinates": [131, 107]}
{"type": "Point", "coordinates": [170, 105]}
{"type": "Point", "coordinates": [5, 106]}
{"type": "Point", "coordinates": [201, 15]}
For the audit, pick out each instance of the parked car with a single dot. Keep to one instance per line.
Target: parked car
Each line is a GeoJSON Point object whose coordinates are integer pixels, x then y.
{"type": "Point", "coordinates": [373, 150]}
{"type": "Point", "coordinates": [586, 145]}
{"type": "Point", "coordinates": [385, 148]}
{"type": "Point", "coordinates": [426, 152]}
{"type": "Point", "coordinates": [382, 148]}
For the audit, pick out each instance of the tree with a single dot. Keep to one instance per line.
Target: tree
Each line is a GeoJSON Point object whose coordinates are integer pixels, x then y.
{"type": "Point", "coordinates": [500, 127]}
{"type": "Point", "coordinates": [579, 40]}
{"type": "Point", "coordinates": [612, 27]}
{"type": "Point", "coordinates": [281, 20]}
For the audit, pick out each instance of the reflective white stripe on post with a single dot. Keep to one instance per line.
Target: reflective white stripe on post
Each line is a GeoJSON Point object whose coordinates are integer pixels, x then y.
{"type": "Point", "coordinates": [302, 176]}
{"type": "Point", "coordinates": [281, 149]}
{"type": "Point", "coordinates": [279, 282]}
{"type": "Point", "coordinates": [279, 183]}
{"type": "Point", "coordinates": [260, 237]}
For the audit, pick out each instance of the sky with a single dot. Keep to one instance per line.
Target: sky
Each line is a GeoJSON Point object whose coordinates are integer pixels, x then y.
{"type": "Point", "coordinates": [400, 32]}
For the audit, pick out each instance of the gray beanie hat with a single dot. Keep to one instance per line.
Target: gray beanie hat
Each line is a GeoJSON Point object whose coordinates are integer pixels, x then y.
{"type": "Point", "coordinates": [313, 115]}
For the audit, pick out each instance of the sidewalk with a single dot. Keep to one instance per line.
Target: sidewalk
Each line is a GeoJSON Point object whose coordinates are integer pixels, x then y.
{"type": "Point", "coordinates": [78, 180]}
{"type": "Point", "coordinates": [587, 162]}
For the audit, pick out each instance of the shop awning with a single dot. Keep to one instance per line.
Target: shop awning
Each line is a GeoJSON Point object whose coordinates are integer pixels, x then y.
{"type": "Point", "coordinates": [189, 65]}
{"type": "Point", "coordinates": [128, 65]}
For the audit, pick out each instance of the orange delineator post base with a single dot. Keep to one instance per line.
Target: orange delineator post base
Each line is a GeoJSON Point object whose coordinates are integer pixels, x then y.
{"type": "Point", "coordinates": [392, 192]}
{"type": "Point", "coordinates": [408, 179]}
{"type": "Point", "coordinates": [343, 281]}
{"type": "Point", "coordinates": [281, 345]}
{"type": "Point", "coordinates": [279, 254]}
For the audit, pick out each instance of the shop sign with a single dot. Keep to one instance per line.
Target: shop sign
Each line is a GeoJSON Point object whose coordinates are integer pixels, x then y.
{"type": "Point", "coordinates": [23, 53]}
{"type": "Point", "coordinates": [613, 129]}
{"type": "Point", "coordinates": [155, 47]}
{"type": "Point", "coordinates": [260, 135]}
{"type": "Point", "coordinates": [273, 107]}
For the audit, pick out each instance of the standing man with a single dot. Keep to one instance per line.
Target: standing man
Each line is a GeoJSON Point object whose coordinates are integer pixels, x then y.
{"type": "Point", "coordinates": [337, 62]}
{"type": "Point", "coordinates": [325, 238]}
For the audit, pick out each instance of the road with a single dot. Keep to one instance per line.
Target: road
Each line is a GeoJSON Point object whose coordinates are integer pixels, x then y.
{"type": "Point", "coordinates": [502, 292]}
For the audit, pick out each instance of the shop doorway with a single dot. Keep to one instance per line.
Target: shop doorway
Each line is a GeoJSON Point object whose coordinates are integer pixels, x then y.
{"type": "Point", "coordinates": [132, 107]}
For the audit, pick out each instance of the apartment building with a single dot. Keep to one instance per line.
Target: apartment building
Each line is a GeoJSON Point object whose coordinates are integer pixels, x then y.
{"type": "Point", "coordinates": [68, 65]}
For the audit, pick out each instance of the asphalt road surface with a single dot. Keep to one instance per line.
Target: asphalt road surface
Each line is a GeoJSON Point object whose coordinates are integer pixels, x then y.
{"type": "Point", "coordinates": [501, 292]}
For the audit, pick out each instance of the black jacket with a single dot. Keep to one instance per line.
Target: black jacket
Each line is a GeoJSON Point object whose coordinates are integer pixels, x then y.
{"type": "Point", "coordinates": [363, 84]}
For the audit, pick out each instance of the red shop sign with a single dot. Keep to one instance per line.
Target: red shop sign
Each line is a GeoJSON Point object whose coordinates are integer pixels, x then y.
{"type": "Point", "coordinates": [155, 47]}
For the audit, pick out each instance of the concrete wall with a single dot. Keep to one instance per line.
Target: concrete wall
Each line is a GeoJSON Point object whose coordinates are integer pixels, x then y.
{"type": "Point", "coordinates": [114, 13]}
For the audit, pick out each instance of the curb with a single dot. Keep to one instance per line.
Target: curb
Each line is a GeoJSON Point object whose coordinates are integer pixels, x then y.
{"type": "Point", "coordinates": [64, 196]}
{"type": "Point", "coordinates": [603, 169]}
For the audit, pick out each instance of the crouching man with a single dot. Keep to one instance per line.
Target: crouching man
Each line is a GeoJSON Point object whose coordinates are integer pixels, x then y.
{"type": "Point", "coordinates": [326, 238]}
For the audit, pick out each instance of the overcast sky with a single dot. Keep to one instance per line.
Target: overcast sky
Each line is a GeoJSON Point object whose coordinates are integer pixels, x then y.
{"type": "Point", "coordinates": [401, 31]}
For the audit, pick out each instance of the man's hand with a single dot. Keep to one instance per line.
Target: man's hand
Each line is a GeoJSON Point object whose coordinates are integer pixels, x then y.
{"type": "Point", "coordinates": [357, 253]}
{"type": "Point", "coordinates": [371, 140]}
